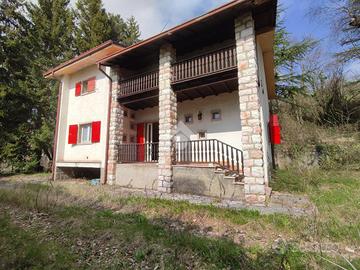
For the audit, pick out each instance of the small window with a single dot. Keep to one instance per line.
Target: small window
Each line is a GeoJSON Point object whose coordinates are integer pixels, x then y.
{"type": "Point", "coordinates": [188, 118]}
{"type": "Point", "coordinates": [125, 113]}
{"type": "Point", "coordinates": [132, 139]}
{"type": "Point", "coordinates": [88, 85]}
{"type": "Point", "coordinates": [124, 139]}
{"type": "Point", "coordinates": [85, 133]}
{"type": "Point", "coordinates": [216, 115]}
{"type": "Point", "coordinates": [132, 126]}
{"type": "Point", "coordinates": [132, 115]}
{"type": "Point", "coordinates": [202, 135]}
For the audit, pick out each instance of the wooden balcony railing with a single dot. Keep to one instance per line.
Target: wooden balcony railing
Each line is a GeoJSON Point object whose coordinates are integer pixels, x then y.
{"type": "Point", "coordinates": [138, 152]}
{"type": "Point", "coordinates": [210, 151]}
{"type": "Point", "coordinates": [139, 83]}
{"type": "Point", "coordinates": [203, 65]}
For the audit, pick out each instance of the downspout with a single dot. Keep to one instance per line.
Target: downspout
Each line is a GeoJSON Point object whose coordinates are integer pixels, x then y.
{"type": "Point", "coordinates": [108, 123]}
{"type": "Point", "coordinates": [56, 132]}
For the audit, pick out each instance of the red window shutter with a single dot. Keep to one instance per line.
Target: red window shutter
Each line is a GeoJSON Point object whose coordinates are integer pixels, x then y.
{"type": "Point", "coordinates": [73, 134]}
{"type": "Point", "coordinates": [95, 131]}
{"type": "Point", "coordinates": [91, 84]}
{"type": "Point", "coordinates": [78, 89]}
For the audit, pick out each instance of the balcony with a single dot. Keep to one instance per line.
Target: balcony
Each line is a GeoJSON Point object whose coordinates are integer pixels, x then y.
{"type": "Point", "coordinates": [208, 64]}
{"type": "Point", "coordinates": [205, 74]}
{"type": "Point", "coordinates": [139, 84]}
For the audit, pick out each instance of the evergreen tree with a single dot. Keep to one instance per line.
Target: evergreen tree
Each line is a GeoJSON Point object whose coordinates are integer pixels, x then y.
{"type": "Point", "coordinates": [93, 24]}
{"type": "Point", "coordinates": [118, 27]}
{"type": "Point", "coordinates": [290, 76]}
{"type": "Point", "coordinates": [15, 99]}
{"type": "Point", "coordinates": [132, 32]}
{"type": "Point", "coordinates": [52, 43]}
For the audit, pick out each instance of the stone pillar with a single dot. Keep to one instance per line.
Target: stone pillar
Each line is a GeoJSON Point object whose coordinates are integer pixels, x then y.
{"type": "Point", "coordinates": [115, 134]}
{"type": "Point", "coordinates": [167, 119]}
{"type": "Point", "coordinates": [250, 110]}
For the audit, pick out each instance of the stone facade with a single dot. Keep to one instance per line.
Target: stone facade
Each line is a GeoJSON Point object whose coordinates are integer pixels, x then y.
{"type": "Point", "coordinates": [115, 134]}
{"type": "Point", "coordinates": [250, 110]}
{"type": "Point", "coordinates": [167, 119]}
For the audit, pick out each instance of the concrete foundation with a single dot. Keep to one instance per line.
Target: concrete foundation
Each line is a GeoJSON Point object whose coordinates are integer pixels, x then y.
{"type": "Point", "coordinates": [139, 176]}
{"type": "Point", "coordinates": [206, 182]}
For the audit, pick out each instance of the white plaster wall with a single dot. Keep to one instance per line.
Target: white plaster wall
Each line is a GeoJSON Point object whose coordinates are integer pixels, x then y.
{"type": "Point", "coordinates": [147, 115]}
{"type": "Point", "coordinates": [228, 129]}
{"type": "Point", "coordinates": [80, 110]}
{"type": "Point", "coordinates": [265, 113]}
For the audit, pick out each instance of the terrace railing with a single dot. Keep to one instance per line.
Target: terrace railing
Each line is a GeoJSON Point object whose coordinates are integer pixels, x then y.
{"type": "Point", "coordinates": [138, 152]}
{"type": "Point", "coordinates": [139, 83]}
{"type": "Point", "coordinates": [210, 151]}
{"type": "Point", "coordinates": [203, 65]}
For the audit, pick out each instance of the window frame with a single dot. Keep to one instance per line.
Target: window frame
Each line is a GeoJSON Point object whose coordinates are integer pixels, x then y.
{"type": "Point", "coordinates": [188, 115]}
{"type": "Point", "coordinates": [85, 82]}
{"type": "Point", "coordinates": [81, 126]}
{"type": "Point", "coordinates": [216, 112]}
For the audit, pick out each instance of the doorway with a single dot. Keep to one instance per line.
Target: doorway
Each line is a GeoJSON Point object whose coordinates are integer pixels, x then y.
{"type": "Point", "coordinates": [148, 141]}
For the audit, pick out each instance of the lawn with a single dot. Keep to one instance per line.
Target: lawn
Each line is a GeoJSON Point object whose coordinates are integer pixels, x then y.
{"type": "Point", "coordinates": [75, 225]}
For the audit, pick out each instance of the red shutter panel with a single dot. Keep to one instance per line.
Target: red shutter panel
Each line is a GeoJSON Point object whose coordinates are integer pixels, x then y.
{"type": "Point", "coordinates": [73, 134]}
{"type": "Point", "coordinates": [91, 84]}
{"type": "Point", "coordinates": [95, 132]}
{"type": "Point", "coordinates": [78, 89]}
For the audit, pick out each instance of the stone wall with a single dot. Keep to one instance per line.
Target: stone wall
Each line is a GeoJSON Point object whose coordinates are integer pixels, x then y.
{"type": "Point", "coordinates": [115, 134]}
{"type": "Point", "coordinates": [250, 110]}
{"type": "Point", "coordinates": [167, 119]}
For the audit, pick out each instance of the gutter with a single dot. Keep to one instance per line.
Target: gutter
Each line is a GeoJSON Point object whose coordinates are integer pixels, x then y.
{"type": "Point", "coordinates": [108, 123]}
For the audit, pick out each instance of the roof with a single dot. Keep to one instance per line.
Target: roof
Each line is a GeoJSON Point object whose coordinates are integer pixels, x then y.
{"type": "Point", "coordinates": [85, 59]}
{"type": "Point", "coordinates": [228, 10]}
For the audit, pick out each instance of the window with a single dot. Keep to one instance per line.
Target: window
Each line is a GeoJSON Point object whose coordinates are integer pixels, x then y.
{"type": "Point", "coordinates": [124, 139]}
{"type": "Point", "coordinates": [216, 115]}
{"type": "Point", "coordinates": [188, 118]}
{"type": "Point", "coordinates": [132, 126]}
{"type": "Point", "coordinates": [125, 113]}
{"type": "Point", "coordinates": [202, 135]}
{"type": "Point", "coordinates": [85, 133]}
{"type": "Point", "coordinates": [132, 115]}
{"type": "Point", "coordinates": [85, 87]}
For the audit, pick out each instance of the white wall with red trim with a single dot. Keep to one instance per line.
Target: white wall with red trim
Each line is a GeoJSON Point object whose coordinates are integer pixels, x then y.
{"type": "Point", "coordinates": [77, 109]}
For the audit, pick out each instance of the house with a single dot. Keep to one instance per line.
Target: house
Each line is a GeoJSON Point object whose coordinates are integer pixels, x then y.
{"type": "Point", "coordinates": [184, 111]}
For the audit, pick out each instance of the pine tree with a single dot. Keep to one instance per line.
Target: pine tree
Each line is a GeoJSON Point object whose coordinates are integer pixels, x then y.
{"type": "Point", "coordinates": [288, 56]}
{"type": "Point", "coordinates": [15, 101]}
{"type": "Point", "coordinates": [93, 24]}
{"type": "Point", "coordinates": [132, 32]}
{"type": "Point", "coordinates": [118, 27]}
{"type": "Point", "coordinates": [52, 43]}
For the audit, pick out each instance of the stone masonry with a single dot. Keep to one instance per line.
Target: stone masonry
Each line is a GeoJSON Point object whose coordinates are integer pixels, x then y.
{"type": "Point", "coordinates": [250, 110]}
{"type": "Point", "coordinates": [167, 119]}
{"type": "Point", "coordinates": [115, 132]}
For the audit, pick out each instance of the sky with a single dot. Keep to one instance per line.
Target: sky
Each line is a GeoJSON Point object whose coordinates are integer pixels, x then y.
{"type": "Point", "coordinates": [155, 16]}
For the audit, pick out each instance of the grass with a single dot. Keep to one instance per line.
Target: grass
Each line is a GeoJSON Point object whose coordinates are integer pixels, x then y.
{"type": "Point", "coordinates": [79, 230]}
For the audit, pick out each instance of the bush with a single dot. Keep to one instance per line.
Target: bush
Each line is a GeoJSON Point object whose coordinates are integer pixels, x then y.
{"type": "Point", "coordinates": [339, 156]}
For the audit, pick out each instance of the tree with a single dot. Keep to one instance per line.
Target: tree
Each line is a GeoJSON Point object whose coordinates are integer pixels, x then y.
{"type": "Point", "coordinates": [126, 33]}
{"type": "Point", "coordinates": [290, 76]}
{"type": "Point", "coordinates": [92, 24]}
{"type": "Point", "coordinates": [52, 42]}
{"type": "Point", "coordinates": [344, 17]}
{"type": "Point", "coordinates": [132, 32]}
{"type": "Point", "coordinates": [15, 102]}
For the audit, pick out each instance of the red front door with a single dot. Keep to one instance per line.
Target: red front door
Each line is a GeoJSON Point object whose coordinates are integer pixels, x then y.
{"type": "Point", "coordinates": [140, 140]}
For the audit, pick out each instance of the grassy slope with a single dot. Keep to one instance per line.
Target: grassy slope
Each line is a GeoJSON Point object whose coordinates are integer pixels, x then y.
{"type": "Point", "coordinates": [70, 234]}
